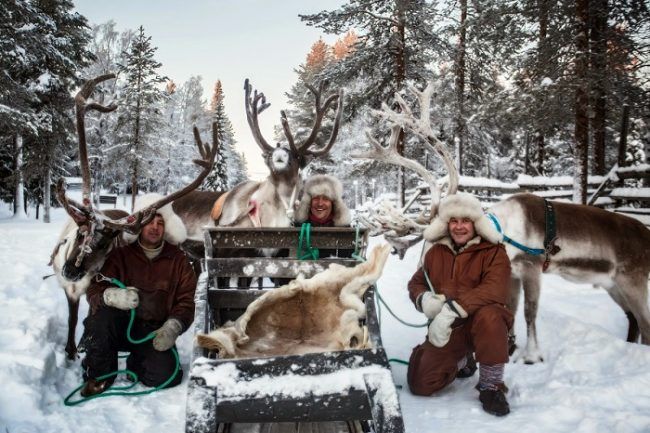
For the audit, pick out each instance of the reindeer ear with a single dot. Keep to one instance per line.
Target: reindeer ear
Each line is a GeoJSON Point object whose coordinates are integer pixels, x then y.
{"type": "Point", "coordinates": [78, 217]}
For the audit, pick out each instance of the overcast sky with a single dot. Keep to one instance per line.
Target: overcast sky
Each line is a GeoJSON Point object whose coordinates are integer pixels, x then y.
{"type": "Point", "coordinates": [226, 40]}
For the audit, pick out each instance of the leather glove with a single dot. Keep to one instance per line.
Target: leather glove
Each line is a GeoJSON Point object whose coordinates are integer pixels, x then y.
{"type": "Point", "coordinates": [124, 299]}
{"type": "Point", "coordinates": [440, 328]}
{"type": "Point", "coordinates": [167, 334]}
{"type": "Point", "coordinates": [431, 304]}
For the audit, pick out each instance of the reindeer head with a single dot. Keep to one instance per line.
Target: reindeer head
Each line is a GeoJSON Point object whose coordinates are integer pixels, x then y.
{"type": "Point", "coordinates": [285, 160]}
{"type": "Point", "coordinates": [86, 246]}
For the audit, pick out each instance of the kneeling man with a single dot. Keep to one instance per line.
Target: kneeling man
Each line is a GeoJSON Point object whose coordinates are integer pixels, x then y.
{"type": "Point", "coordinates": [463, 287]}
{"type": "Point", "coordinates": [160, 286]}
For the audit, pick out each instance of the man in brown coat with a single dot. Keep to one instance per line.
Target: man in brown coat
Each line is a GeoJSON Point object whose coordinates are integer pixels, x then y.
{"type": "Point", "coordinates": [462, 287]}
{"type": "Point", "coordinates": [160, 286]}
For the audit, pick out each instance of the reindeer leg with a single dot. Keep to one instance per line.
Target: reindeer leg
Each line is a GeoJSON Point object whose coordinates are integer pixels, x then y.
{"type": "Point", "coordinates": [513, 304]}
{"type": "Point", "coordinates": [73, 315]}
{"type": "Point", "coordinates": [531, 280]}
{"type": "Point", "coordinates": [633, 326]}
{"type": "Point", "coordinates": [634, 293]}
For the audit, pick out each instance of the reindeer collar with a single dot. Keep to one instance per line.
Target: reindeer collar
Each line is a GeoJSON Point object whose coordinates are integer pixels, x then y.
{"type": "Point", "coordinates": [550, 235]}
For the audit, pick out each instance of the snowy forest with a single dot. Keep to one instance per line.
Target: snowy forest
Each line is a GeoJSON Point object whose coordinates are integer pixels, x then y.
{"type": "Point", "coordinates": [47, 51]}
{"type": "Point", "coordinates": [542, 87]}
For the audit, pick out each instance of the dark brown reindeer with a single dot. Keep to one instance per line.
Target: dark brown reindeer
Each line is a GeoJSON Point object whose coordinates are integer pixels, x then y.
{"type": "Point", "coordinates": [267, 203]}
{"type": "Point", "coordinates": [90, 234]}
{"type": "Point", "coordinates": [590, 245]}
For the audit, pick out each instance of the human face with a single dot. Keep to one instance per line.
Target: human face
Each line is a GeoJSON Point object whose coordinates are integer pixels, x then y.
{"type": "Point", "coordinates": [321, 207]}
{"type": "Point", "coordinates": [461, 230]}
{"type": "Point", "coordinates": [152, 234]}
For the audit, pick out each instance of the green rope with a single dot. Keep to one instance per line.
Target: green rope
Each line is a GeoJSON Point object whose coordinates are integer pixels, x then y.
{"type": "Point", "coordinates": [412, 325]}
{"type": "Point", "coordinates": [305, 250]}
{"type": "Point", "coordinates": [357, 245]}
{"type": "Point", "coordinates": [121, 390]}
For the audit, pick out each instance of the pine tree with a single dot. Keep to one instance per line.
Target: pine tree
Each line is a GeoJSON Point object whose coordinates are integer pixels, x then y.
{"type": "Point", "coordinates": [345, 45]}
{"type": "Point", "coordinates": [390, 53]}
{"type": "Point", "coordinates": [40, 76]}
{"type": "Point", "coordinates": [139, 114]}
{"type": "Point", "coordinates": [229, 167]}
{"type": "Point", "coordinates": [217, 180]}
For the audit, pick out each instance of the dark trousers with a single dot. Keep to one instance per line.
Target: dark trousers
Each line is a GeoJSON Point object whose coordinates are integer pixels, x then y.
{"type": "Point", "coordinates": [484, 332]}
{"type": "Point", "coordinates": [105, 335]}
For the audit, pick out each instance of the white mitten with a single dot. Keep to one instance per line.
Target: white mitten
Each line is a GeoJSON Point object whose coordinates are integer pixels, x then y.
{"type": "Point", "coordinates": [167, 334]}
{"type": "Point", "coordinates": [124, 299]}
{"type": "Point", "coordinates": [440, 328]}
{"type": "Point", "coordinates": [431, 304]}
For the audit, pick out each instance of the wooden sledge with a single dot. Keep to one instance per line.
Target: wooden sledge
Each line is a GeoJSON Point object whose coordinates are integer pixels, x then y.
{"type": "Point", "coordinates": [354, 389]}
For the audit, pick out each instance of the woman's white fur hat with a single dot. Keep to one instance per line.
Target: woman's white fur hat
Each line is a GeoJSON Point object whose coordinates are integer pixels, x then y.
{"type": "Point", "coordinates": [175, 231]}
{"type": "Point", "coordinates": [329, 187]}
{"type": "Point", "coordinates": [461, 205]}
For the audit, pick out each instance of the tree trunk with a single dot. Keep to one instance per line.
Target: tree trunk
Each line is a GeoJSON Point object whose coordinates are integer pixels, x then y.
{"type": "Point", "coordinates": [400, 79]}
{"type": "Point", "coordinates": [47, 199]}
{"type": "Point", "coordinates": [541, 153]}
{"type": "Point", "coordinates": [19, 185]}
{"type": "Point", "coordinates": [542, 68]}
{"type": "Point", "coordinates": [460, 87]}
{"type": "Point", "coordinates": [526, 154]}
{"type": "Point", "coordinates": [598, 37]}
{"type": "Point", "coordinates": [581, 132]}
{"type": "Point", "coordinates": [622, 142]}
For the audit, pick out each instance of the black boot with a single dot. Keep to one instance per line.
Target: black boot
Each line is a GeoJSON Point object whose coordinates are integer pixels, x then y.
{"type": "Point", "coordinates": [494, 401]}
{"type": "Point", "coordinates": [93, 387]}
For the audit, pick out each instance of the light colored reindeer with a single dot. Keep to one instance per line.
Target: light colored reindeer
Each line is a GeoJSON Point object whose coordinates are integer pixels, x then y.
{"type": "Point", "coordinates": [90, 234]}
{"type": "Point", "coordinates": [271, 202]}
{"type": "Point", "coordinates": [589, 245]}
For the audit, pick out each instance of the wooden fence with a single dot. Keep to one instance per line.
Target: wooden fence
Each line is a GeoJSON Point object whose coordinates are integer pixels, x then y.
{"type": "Point", "coordinates": [621, 190]}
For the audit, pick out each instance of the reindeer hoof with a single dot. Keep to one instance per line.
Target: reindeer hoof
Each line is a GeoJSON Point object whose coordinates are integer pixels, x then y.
{"type": "Point", "coordinates": [532, 359]}
{"type": "Point", "coordinates": [72, 354]}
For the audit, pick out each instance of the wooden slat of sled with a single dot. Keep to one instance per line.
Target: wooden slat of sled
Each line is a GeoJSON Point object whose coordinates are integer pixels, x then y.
{"type": "Point", "coordinates": [321, 237]}
{"type": "Point", "coordinates": [270, 267]}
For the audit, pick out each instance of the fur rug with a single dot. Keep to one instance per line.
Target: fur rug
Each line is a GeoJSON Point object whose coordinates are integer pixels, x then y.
{"type": "Point", "coordinates": [318, 314]}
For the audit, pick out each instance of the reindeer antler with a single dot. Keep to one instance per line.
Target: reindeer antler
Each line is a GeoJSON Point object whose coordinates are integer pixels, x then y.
{"type": "Point", "coordinates": [321, 110]}
{"type": "Point", "coordinates": [84, 210]}
{"type": "Point", "coordinates": [82, 107]}
{"type": "Point", "coordinates": [421, 127]}
{"type": "Point", "coordinates": [254, 106]}
{"type": "Point", "coordinates": [135, 221]}
{"type": "Point", "coordinates": [403, 232]}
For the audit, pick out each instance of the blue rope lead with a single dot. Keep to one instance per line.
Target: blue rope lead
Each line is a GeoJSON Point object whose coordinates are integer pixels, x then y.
{"type": "Point", "coordinates": [531, 251]}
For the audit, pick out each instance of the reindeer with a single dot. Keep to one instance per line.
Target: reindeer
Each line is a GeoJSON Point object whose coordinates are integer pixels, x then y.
{"type": "Point", "coordinates": [90, 234]}
{"type": "Point", "coordinates": [271, 202]}
{"type": "Point", "coordinates": [587, 244]}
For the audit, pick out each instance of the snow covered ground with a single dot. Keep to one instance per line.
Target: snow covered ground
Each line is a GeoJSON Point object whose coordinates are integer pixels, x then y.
{"type": "Point", "coordinates": [591, 381]}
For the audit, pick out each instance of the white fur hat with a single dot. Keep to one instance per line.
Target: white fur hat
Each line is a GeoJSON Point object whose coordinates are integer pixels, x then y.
{"type": "Point", "coordinates": [461, 205]}
{"type": "Point", "coordinates": [175, 231]}
{"type": "Point", "coordinates": [329, 187]}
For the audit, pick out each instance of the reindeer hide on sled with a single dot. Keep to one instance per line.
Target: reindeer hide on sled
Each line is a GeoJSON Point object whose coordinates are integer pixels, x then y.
{"type": "Point", "coordinates": [318, 314]}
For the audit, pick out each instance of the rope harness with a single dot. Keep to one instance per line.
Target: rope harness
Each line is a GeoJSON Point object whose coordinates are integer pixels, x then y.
{"type": "Point", "coordinates": [121, 390]}
{"type": "Point", "coordinates": [550, 235]}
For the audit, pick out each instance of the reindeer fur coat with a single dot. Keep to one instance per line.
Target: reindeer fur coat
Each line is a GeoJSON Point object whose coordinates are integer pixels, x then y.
{"type": "Point", "coordinates": [475, 275]}
{"type": "Point", "coordinates": [166, 284]}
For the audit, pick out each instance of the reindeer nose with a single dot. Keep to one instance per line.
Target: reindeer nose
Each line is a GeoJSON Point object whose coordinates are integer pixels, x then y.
{"type": "Point", "coordinates": [72, 273]}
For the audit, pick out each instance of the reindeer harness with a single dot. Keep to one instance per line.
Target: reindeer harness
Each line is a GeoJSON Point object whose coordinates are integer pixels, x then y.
{"type": "Point", "coordinates": [550, 236]}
